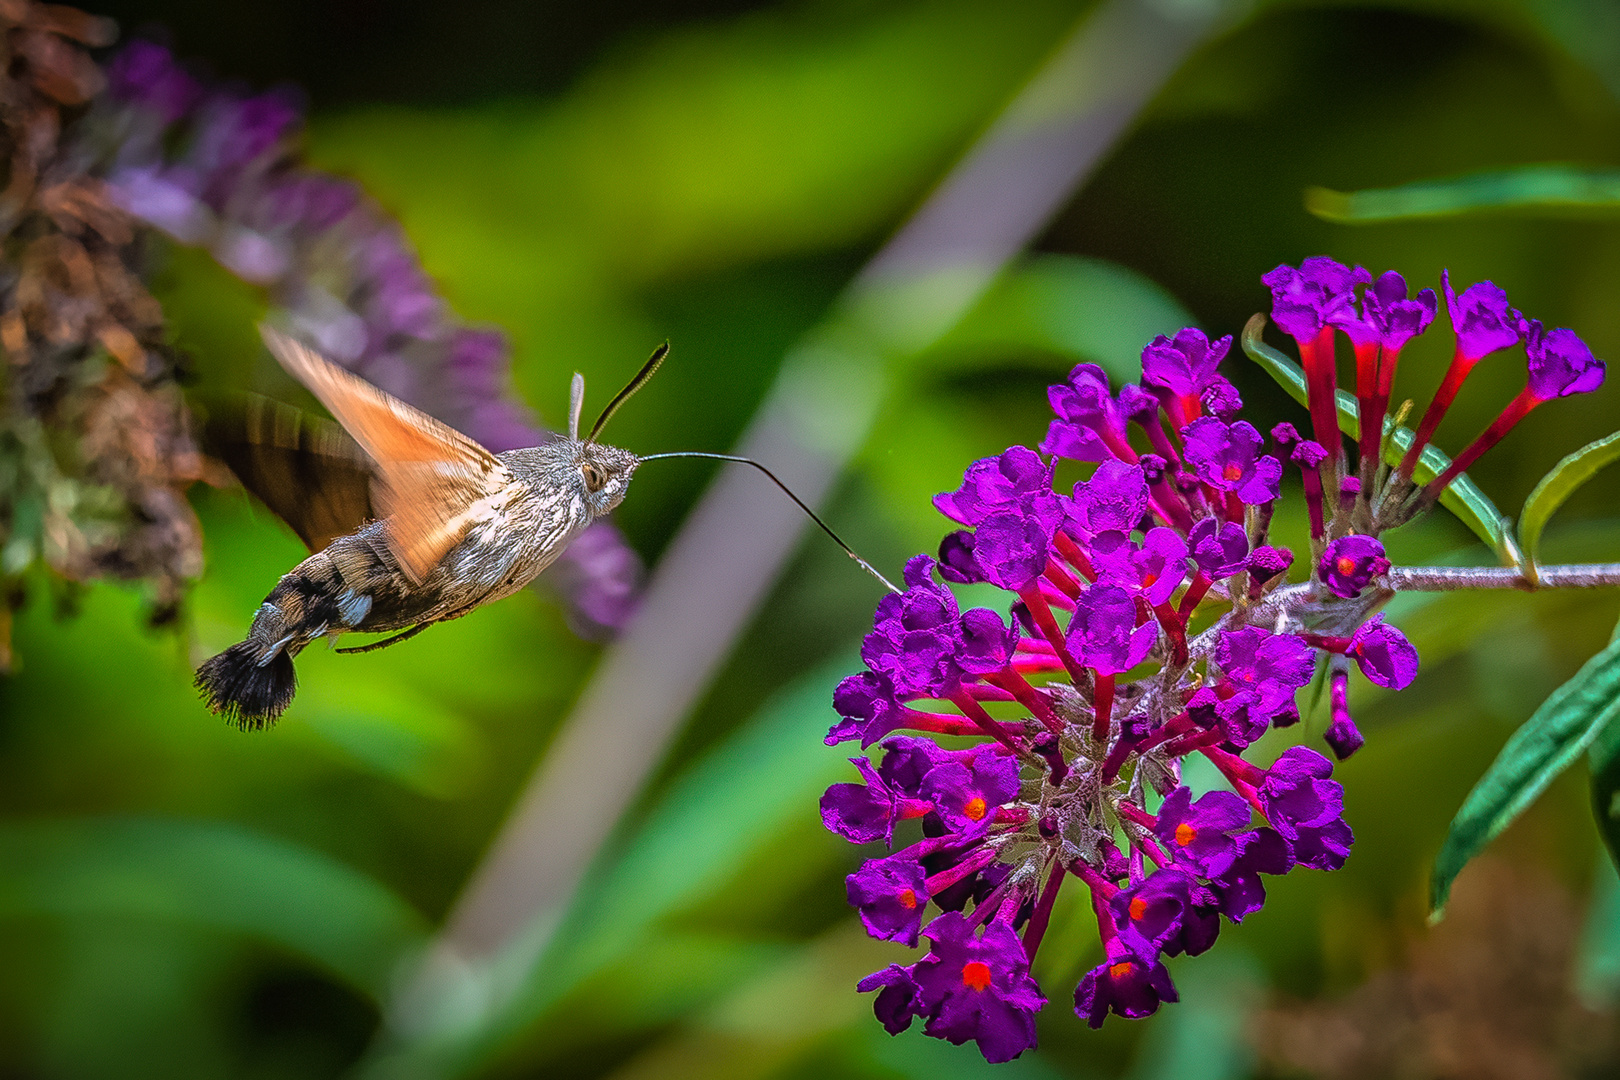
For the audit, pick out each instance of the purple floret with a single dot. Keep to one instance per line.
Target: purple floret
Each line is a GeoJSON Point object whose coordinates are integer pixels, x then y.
{"type": "Point", "coordinates": [1220, 549]}
{"type": "Point", "coordinates": [1198, 834]}
{"type": "Point", "coordinates": [1012, 549]}
{"type": "Point", "coordinates": [1383, 654]}
{"type": "Point", "coordinates": [977, 988]}
{"type": "Point", "coordinates": [1388, 318]}
{"type": "Point", "coordinates": [907, 761]}
{"type": "Point", "coordinates": [1086, 411]}
{"type": "Point", "coordinates": [867, 706]}
{"type": "Point", "coordinates": [1561, 363]}
{"type": "Point", "coordinates": [1482, 318]}
{"type": "Point", "coordinates": [1151, 914]}
{"type": "Point", "coordinates": [966, 791]}
{"type": "Point", "coordinates": [1266, 562]}
{"type": "Point", "coordinates": [1272, 666]}
{"type": "Point", "coordinates": [1115, 499]}
{"type": "Point", "coordinates": [890, 895]}
{"type": "Point", "coordinates": [1184, 365]}
{"type": "Point", "coordinates": [1125, 985]}
{"type": "Point", "coordinates": [860, 813]}
{"type": "Point", "coordinates": [956, 559]}
{"type": "Point", "coordinates": [1320, 292]}
{"type": "Point", "coordinates": [987, 642]}
{"type": "Point", "coordinates": [1016, 479]}
{"type": "Point", "coordinates": [916, 636]}
{"type": "Point", "coordinates": [896, 1003]}
{"type": "Point", "coordinates": [1154, 570]}
{"type": "Point", "coordinates": [1307, 808]}
{"type": "Point", "coordinates": [1227, 457]}
{"type": "Point", "coordinates": [1350, 563]}
{"type": "Point", "coordinates": [1103, 633]}
{"type": "Point", "coordinates": [1239, 891]}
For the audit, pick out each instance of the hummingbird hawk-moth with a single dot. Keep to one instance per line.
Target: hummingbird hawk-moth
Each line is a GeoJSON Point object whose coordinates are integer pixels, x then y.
{"type": "Point", "coordinates": [430, 525]}
{"type": "Point", "coordinates": [455, 527]}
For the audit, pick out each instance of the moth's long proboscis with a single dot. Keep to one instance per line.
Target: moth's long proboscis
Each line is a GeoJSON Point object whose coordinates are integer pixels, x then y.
{"type": "Point", "coordinates": [864, 565]}
{"type": "Point", "coordinates": [648, 370]}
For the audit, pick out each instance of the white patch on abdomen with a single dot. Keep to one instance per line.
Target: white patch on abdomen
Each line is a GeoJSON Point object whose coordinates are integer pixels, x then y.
{"type": "Point", "coordinates": [353, 606]}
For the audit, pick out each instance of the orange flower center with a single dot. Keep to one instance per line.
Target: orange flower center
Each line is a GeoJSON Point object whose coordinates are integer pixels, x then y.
{"type": "Point", "coordinates": [1185, 834]}
{"type": "Point", "coordinates": [1119, 970]}
{"type": "Point", "coordinates": [976, 975]}
{"type": "Point", "coordinates": [975, 809]}
{"type": "Point", "coordinates": [1346, 565]}
{"type": "Point", "coordinates": [1149, 580]}
{"type": "Point", "coordinates": [908, 899]}
{"type": "Point", "coordinates": [1232, 472]}
{"type": "Point", "coordinates": [1138, 908]}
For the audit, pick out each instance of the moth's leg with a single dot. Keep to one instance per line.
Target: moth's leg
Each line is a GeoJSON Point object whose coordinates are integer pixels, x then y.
{"type": "Point", "coordinates": [385, 642]}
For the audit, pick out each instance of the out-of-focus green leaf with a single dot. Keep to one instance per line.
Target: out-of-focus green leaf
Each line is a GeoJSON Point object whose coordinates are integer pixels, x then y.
{"type": "Point", "coordinates": [1597, 959]}
{"type": "Point", "coordinates": [1557, 733]}
{"type": "Point", "coordinates": [406, 737]}
{"type": "Point", "coordinates": [1603, 762]}
{"type": "Point", "coordinates": [1564, 188]}
{"type": "Point", "coordinates": [1205, 1036]}
{"type": "Point", "coordinates": [215, 876]}
{"type": "Point", "coordinates": [712, 819]}
{"type": "Point", "coordinates": [1076, 308]}
{"type": "Point", "coordinates": [1559, 484]}
{"type": "Point", "coordinates": [1462, 497]}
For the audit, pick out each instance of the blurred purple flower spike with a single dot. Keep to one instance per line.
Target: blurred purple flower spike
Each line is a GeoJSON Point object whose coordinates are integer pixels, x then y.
{"type": "Point", "coordinates": [341, 267]}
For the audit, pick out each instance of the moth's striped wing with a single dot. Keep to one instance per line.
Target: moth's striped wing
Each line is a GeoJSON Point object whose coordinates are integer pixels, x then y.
{"type": "Point", "coordinates": [432, 482]}
{"type": "Point", "coordinates": [305, 469]}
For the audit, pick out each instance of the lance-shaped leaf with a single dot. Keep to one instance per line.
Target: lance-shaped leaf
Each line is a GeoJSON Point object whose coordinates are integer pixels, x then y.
{"type": "Point", "coordinates": [1559, 484]}
{"type": "Point", "coordinates": [1563, 189]}
{"type": "Point", "coordinates": [1568, 722]}
{"type": "Point", "coordinates": [1462, 497]}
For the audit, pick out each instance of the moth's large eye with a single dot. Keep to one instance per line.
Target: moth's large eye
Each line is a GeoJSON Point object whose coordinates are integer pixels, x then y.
{"type": "Point", "coordinates": [595, 479]}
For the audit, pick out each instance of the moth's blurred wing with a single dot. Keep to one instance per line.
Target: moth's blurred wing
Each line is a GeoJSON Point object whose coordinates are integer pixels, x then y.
{"type": "Point", "coordinates": [431, 481]}
{"type": "Point", "coordinates": [306, 470]}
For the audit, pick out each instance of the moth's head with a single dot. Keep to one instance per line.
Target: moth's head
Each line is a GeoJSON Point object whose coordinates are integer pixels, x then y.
{"type": "Point", "coordinates": [604, 475]}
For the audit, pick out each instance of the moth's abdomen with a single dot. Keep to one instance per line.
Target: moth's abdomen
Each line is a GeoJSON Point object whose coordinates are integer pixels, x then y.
{"type": "Point", "coordinates": [253, 682]}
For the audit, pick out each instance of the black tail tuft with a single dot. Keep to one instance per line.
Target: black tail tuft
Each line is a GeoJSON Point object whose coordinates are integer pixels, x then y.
{"type": "Point", "coordinates": [248, 694]}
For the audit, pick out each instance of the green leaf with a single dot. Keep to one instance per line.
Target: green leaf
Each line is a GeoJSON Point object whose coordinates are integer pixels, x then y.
{"type": "Point", "coordinates": [1462, 497]}
{"type": "Point", "coordinates": [212, 875]}
{"type": "Point", "coordinates": [1563, 188]}
{"type": "Point", "coordinates": [1559, 484]}
{"type": "Point", "coordinates": [1603, 762]}
{"type": "Point", "coordinates": [1567, 723]}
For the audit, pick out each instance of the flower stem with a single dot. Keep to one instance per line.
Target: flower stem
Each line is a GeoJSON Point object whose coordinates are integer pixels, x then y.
{"type": "Point", "coordinates": [1102, 700]}
{"type": "Point", "coordinates": [1321, 382]}
{"type": "Point", "coordinates": [1516, 410]}
{"type": "Point", "coordinates": [1030, 698]}
{"type": "Point", "coordinates": [1043, 912]}
{"type": "Point", "coordinates": [1455, 374]}
{"type": "Point", "coordinates": [987, 723]}
{"type": "Point", "coordinates": [1451, 578]}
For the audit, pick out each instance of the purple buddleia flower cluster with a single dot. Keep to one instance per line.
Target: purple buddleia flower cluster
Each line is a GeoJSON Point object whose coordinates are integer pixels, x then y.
{"type": "Point", "coordinates": [216, 167]}
{"type": "Point", "coordinates": [1149, 619]}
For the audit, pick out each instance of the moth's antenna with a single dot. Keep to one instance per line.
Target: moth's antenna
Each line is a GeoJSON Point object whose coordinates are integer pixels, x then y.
{"type": "Point", "coordinates": [868, 567]}
{"type": "Point", "coordinates": [647, 371]}
{"type": "Point", "coordinates": [576, 402]}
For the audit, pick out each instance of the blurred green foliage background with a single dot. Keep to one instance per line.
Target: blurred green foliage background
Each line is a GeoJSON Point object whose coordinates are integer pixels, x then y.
{"type": "Point", "coordinates": [179, 899]}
